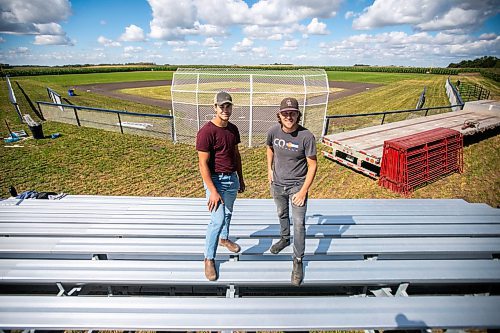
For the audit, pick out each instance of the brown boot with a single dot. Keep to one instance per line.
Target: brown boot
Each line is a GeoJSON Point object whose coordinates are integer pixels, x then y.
{"type": "Point", "coordinates": [231, 246]}
{"type": "Point", "coordinates": [210, 271]}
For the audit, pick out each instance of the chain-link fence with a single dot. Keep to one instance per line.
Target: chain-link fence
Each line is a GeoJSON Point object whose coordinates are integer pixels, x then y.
{"type": "Point", "coordinates": [152, 125]}
{"type": "Point", "coordinates": [256, 97]}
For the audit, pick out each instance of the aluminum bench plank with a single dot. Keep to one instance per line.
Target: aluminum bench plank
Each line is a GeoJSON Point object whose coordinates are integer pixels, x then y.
{"type": "Point", "coordinates": [71, 229]}
{"type": "Point", "coordinates": [239, 219]}
{"type": "Point", "coordinates": [161, 201]}
{"type": "Point", "coordinates": [177, 246]}
{"type": "Point", "coordinates": [256, 213]}
{"type": "Point", "coordinates": [248, 314]}
{"type": "Point", "coordinates": [265, 206]}
{"type": "Point", "coordinates": [343, 273]}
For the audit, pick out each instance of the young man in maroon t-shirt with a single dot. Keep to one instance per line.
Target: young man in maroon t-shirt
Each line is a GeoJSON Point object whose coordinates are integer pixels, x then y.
{"type": "Point", "coordinates": [220, 167]}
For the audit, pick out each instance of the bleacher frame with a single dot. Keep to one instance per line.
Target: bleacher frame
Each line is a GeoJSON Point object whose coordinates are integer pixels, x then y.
{"type": "Point", "coordinates": [96, 262]}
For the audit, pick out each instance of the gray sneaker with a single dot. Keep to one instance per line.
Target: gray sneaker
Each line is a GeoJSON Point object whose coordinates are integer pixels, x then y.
{"type": "Point", "coordinates": [297, 272]}
{"type": "Point", "coordinates": [280, 245]}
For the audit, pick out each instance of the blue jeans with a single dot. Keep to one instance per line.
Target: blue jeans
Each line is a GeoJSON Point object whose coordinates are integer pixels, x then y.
{"type": "Point", "coordinates": [227, 186]}
{"type": "Point", "coordinates": [282, 197]}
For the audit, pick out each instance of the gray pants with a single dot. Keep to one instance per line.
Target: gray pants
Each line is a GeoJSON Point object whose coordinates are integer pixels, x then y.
{"type": "Point", "coordinates": [282, 197]}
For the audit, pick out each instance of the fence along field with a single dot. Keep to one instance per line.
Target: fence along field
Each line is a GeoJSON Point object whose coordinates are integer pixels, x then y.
{"type": "Point", "coordinates": [90, 161]}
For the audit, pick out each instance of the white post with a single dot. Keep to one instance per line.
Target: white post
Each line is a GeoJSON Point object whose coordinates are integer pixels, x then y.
{"type": "Point", "coordinates": [197, 101]}
{"type": "Point", "coordinates": [174, 128]}
{"type": "Point", "coordinates": [250, 125]}
{"type": "Point", "coordinates": [326, 103]}
{"type": "Point", "coordinates": [304, 102]}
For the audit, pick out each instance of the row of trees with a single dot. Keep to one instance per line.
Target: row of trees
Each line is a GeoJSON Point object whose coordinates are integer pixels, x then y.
{"type": "Point", "coordinates": [483, 62]}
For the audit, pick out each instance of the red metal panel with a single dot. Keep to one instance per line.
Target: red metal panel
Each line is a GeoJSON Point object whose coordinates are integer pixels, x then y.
{"type": "Point", "coordinates": [418, 159]}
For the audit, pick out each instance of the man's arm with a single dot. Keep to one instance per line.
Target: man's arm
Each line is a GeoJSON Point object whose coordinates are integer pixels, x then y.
{"type": "Point", "coordinates": [270, 157]}
{"type": "Point", "coordinates": [213, 200]}
{"type": "Point", "coordinates": [300, 197]}
{"type": "Point", "coordinates": [239, 168]}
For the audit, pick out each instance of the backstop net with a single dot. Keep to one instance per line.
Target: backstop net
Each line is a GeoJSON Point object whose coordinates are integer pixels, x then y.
{"type": "Point", "coordinates": [256, 93]}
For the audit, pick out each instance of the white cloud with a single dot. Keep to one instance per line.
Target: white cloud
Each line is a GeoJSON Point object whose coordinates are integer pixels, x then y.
{"type": "Point", "coordinates": [260, 51]}
{"type": "Point", "coordinates": [50, 29]}
{"type": "Point", "coordinates": [290, 45]}
{"type": "Point", "coordinates": [280, 12]}
{"type": "Point", "coordinates": [488, 36]}
{"type": "Point", "coordinates": [20, 50]}
{"type": "Point", "coordinates": [244, 46]}
{"type": "Point", "coordinates": [36, 17]}
{"type": "Point", "coordinates": [20, 16]}
{"type": "Point", "coordinates": [173, 19]}
{"type": "Point", "coordinates": [272, 33]}
{"type": "Point", "coordinates": [399, 48]}
{"type": "Point", "coordinates": [132, 33]}
{"type": "Point", "coordinates": [317, 28]}
{"type": "Point", "coordinates": [179, 49]}
{"type": "Point", "coordinates": [275, 37]}
{"type": "Point", "coordinates": [348, 15]}
{"type": "Point", "coordinates": [108, 42]}
{"type": "Point", "coordinates": [132, 49]}
{"type": "Point", "coordinates": [427, 15]}
{"type": "Point", "coordinates": [210, 42]}
{"type": "Point", "coordinates": [103, 22]}
{"type": "Point", "coordinates": [181, 43]}
{"type": "Point", "coordinates": [222, 12]}
{"type": "Point", "coordinates": [52, 40]}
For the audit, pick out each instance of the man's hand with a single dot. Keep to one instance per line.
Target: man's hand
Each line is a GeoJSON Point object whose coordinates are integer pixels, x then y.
{"type": "Point", "coordinates": [299, 198]}
{"type": "Point", "coordinates": [270, 176]}
{"type": "Point", "coordinates": [242, 186]}
{"type": "Point", "coordinates": [213, 201]}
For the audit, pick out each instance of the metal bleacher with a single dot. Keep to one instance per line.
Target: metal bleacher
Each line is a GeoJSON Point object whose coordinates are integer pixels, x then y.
{"type": "Point", "coordinates": [101, 262]}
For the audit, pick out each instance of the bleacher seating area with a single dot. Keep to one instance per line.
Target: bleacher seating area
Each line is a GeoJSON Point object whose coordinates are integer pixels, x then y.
{"type": "Point", "coordinates": [130, 263]}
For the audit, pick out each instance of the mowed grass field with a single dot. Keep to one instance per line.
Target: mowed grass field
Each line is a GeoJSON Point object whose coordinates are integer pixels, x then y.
{"type": "Point", "coordinates": [90, 161]}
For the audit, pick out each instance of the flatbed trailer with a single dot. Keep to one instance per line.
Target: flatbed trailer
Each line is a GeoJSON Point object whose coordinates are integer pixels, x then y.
{"type": "Point", "coordinates": [362, 149]}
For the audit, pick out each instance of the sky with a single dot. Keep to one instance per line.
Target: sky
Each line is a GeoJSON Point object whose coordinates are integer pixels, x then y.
{"type": "Point", "coordinates": [420, 33]}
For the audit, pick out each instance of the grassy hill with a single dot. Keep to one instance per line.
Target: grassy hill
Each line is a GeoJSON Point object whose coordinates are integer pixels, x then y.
{"type": "Point", "coordinates": [90, 161]}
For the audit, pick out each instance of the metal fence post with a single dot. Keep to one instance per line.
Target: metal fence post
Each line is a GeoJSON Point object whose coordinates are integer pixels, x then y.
{"type": "Point", "coordinates": [197, 100]}
{"type": "Point", "coordinates": [76, 117]}
{"type": "Point", "coordinates": [326, 125]}
{"type": "Point", "coordinates": [303, 120]}
{"type": "Point", "coordinates": [250, 125]}
{"type": "Point", "coordinates": [120, 122]}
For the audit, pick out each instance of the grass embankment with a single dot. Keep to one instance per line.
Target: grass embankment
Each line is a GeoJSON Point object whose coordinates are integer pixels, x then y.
{"type": "Point", "coordinates": [90, 161]}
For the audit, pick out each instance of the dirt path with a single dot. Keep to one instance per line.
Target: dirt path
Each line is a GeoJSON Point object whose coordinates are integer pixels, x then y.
{"type": "Point", "coordinates": [111, 90]}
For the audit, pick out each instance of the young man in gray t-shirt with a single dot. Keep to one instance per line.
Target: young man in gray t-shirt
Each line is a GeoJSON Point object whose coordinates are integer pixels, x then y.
{"type": "Point", "coordinates": [291, 165]}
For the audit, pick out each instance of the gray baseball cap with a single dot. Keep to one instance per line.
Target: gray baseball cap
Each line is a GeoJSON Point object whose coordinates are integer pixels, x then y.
{"type": "Point", "coordinates": [222, 97]}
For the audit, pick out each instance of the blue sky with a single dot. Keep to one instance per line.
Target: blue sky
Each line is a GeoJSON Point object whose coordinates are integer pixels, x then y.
{"type": "Point", "coordinates": [224, 32]}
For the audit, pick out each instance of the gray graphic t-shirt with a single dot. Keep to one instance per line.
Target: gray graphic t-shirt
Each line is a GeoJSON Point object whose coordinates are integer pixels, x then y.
{"type": "Point", "coordinates": [290, 152]}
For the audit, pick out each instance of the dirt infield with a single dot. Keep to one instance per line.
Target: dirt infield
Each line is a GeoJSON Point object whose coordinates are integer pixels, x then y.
{"type": "Point", "coordinates": [111, 90]}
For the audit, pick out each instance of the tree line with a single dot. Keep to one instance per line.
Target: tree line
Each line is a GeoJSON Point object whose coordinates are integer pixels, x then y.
{"type": "Point", "coordinates": [483, 62]}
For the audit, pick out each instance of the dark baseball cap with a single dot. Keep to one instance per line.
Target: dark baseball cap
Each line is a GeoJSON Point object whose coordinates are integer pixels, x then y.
{"type": "Point", "coordinates": [222, 97]}
{"type": "Point", "coordinates": [289, 104]}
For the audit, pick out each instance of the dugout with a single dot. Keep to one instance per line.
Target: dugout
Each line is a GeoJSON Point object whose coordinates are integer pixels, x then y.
{"type": "Point", "coordinates": [256, 94]}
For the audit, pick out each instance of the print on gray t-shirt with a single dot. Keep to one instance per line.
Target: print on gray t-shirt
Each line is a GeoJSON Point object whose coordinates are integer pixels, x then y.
{"type": "Point", "coordinates": [290, 152]}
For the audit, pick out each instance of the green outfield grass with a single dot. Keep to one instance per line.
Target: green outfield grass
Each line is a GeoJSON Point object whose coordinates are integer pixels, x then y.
{"type": "Point", "coordinates": [90, 161]}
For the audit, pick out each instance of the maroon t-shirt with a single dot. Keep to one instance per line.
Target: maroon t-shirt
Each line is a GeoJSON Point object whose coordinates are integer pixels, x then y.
{"type": "Point", "coordinates": [221, 143]}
